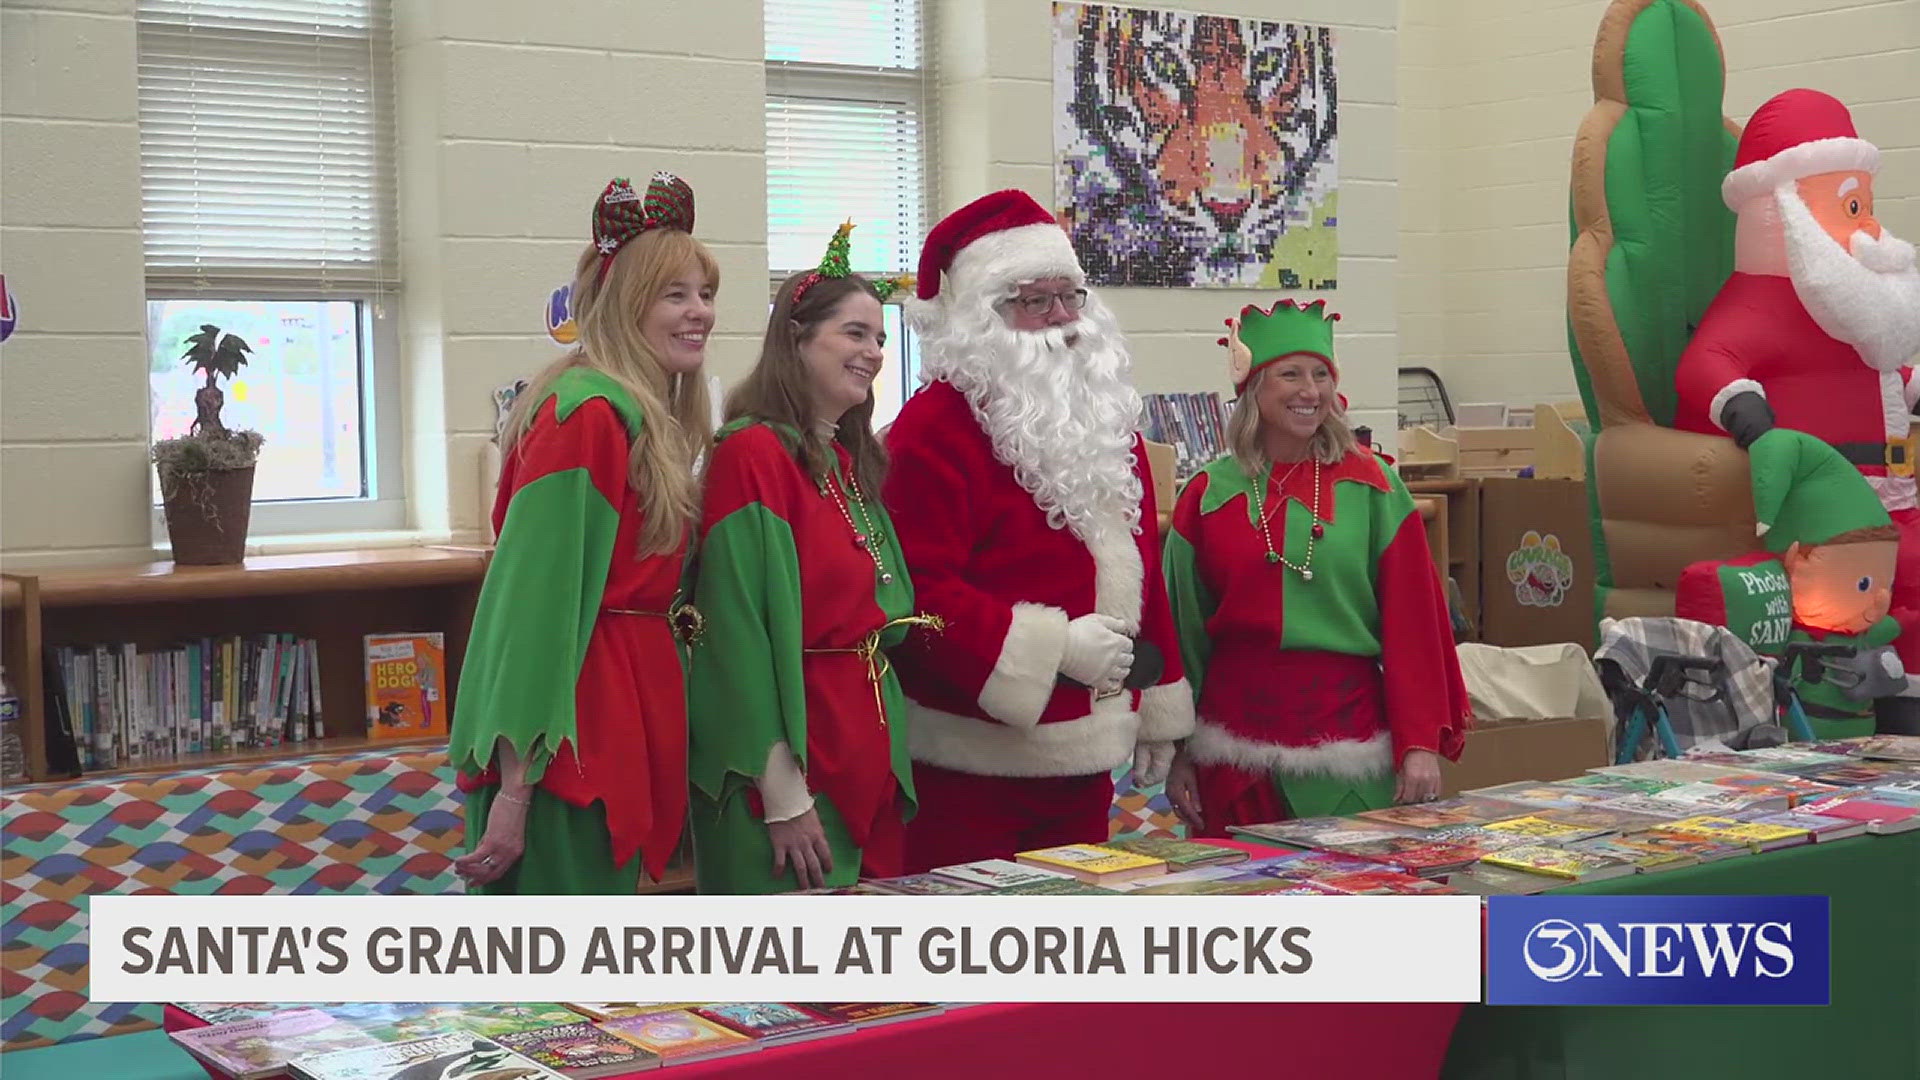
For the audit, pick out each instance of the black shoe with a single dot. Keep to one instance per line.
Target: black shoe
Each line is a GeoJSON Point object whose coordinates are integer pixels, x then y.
{"type": "Point", "coordinates": [1897, 716]}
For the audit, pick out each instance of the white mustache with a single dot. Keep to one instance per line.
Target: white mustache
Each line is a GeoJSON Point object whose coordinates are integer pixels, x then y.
{"type": "Point", "coordinates": [1885, 254]}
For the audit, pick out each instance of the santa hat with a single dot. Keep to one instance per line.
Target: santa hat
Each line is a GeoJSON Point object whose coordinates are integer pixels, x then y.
{"type": "Point", "coordinates": [1262, 335]}
{"type": "Point", "coordinates": [1796, 134]}
{"type": "Point", "coordinates": [997, 240]}
{"type": "Point", "coordinates": [1805, 492]}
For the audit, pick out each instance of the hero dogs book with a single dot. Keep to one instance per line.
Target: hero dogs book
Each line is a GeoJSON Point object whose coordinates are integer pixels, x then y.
{"type": "Point", "coordinates": [406, 686]}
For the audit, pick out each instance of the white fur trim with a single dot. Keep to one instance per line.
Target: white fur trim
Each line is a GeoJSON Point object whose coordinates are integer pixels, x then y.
{"type": "Point", "coordinates": [1349, 759]}
{"type": "Point", "coordinates": [1022, 680]}
{"type": "Point", "coordinates": [1010, 256]}
{"type": "Point", "coordinates": [1750, 182]}
{"type": "Point", "coordinates": [1100, 741]}
{"type": "Point", "coordinates": [1895, 492]}
{"type": "Point", "coordinates": [1895, 404]}
{"type": "Point", "coordinates": [1737, 386]}
{"type": "Point", "coordinates": [1119, 577]}
{"type": "Point", "coordinates": [1166, 711]}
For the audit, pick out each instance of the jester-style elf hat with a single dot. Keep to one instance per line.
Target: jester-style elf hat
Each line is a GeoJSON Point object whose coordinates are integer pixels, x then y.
{"type": "Point", "coordinates": [837, 263]}
{"type": "Point", "coordinates": [1262, 335]}
{"type": "Point", "coordinates": [621, 213]}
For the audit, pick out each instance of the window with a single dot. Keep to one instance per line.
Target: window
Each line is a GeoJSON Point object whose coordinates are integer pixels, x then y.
{"type": "Point", "coordinates": [848, 109]}
{"type": "Point", "coordinates": [267, 200]}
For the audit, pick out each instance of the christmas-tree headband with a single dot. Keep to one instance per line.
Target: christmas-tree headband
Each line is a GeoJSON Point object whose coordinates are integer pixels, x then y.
{"type": "Point", "coordinates": [621, 213]}
{"type": "Point", "coordinates": [837, 263]}
{"type": "Point", "coordinates": [1262, 335]}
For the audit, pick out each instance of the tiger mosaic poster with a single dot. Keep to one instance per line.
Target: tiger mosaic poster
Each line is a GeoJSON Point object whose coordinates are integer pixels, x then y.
{"type": "Point", "coordinates": [1196, 151]}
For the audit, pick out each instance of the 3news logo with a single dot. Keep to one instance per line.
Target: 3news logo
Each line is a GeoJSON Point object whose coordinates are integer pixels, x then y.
{"type": "Point", "coordinates": [1657, 950]}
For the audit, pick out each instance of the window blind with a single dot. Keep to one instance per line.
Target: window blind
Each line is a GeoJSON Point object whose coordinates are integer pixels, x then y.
{"type": "Point", "coordinates": [847, 131]}
{"type": "Point", "coordinates": [267, 145]}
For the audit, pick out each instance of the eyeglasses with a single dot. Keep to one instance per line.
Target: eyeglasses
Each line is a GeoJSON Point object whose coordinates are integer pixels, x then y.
{"type": "Point", "coordinates": [1042, 303]}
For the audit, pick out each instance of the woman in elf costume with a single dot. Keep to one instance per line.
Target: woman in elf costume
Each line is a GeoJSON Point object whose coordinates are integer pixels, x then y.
{"type": "Point", "coordinates": [799, 758]}
{"type": "Point", "coordinates": [1311, 618]}
{"type": "Point", "coordinates": [569, 731]}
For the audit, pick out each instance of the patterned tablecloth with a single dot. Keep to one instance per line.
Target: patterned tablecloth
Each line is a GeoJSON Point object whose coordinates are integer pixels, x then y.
{"type": "Point", "coordinates": [366, 822]}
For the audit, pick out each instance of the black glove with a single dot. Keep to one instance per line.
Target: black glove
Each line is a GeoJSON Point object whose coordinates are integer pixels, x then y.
{"type": "Point", "coordinates": [1746, 416]}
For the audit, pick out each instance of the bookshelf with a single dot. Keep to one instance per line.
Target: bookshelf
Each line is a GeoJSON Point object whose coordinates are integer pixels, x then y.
{"type": "Point", "coordinates": [335, 598]}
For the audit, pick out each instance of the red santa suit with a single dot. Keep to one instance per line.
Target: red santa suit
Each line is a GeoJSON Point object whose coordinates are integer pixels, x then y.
{"type": "Point", "coordinates": [1009, 755]}
{"type": "Point", "coordinates": [1759, 336]}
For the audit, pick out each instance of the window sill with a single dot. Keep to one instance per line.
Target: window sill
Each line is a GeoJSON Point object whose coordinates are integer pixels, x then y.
{"type": "Point", "coordinates": [298, 544]}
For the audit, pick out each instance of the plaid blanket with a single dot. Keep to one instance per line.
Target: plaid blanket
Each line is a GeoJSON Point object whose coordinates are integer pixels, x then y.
{"type": "Point", "coordinates": [1703, 709]}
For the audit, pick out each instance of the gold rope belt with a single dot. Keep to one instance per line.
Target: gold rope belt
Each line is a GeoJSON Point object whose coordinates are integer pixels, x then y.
{"type": "Point", "coordinates": [877, 663]}
{"type": "Point", "coordinates": [685, 620]}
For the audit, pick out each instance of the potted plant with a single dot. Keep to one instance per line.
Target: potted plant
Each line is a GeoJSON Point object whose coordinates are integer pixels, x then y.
{"type": "Point", "coordinates": [206, 475]}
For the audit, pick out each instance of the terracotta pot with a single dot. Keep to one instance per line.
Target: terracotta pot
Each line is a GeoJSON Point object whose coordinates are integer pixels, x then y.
{"type": "Point", "coordinates": [207, 516]}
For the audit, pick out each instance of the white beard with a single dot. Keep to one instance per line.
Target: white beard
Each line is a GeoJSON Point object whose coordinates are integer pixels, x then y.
{"type": "Point", "coordinates": [1868, 297]}
{"type": "Point", "coordinates": [1061, 415]}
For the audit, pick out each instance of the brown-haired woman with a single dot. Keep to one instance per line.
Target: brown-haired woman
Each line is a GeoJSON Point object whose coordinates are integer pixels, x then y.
{"type": "Point", "coordinates": [799, 757]}
{"type": "Point", "coordinates": [569, 731]}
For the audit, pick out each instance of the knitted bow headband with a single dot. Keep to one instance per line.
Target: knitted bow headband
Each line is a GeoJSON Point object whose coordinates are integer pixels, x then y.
{"type": "Point", "coordinates": [621, 213]}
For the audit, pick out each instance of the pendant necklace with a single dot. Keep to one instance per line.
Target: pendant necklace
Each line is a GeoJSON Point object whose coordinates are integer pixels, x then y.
{"type": "Point", "coordinates": [870, 538]}
{"type": "Point", "coordinates": [1305, 568]}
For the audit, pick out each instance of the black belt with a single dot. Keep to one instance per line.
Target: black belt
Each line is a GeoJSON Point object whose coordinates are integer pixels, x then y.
{"type": "Point", "coordinates": [1875, 453]}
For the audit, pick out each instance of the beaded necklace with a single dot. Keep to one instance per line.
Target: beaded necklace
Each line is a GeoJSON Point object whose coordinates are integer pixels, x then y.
{"type": "Point", "coordinates": [1305, 569]}
{"type": "Point", "coordinates": [869, 538]}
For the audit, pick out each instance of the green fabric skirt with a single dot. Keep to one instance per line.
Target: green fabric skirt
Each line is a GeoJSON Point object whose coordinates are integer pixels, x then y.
{"type": "Point", "coordinates": [1321, 795]}
{"type": "Point", "coordinates": [569, 851]}
{"type": "Point", "coordinates": [733, 854]}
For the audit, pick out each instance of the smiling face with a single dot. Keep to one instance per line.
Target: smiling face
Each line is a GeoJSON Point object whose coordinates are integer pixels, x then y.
{"type": "Point", "coordinates": [842, 355]}
{"type": "Point", "coordinates": [1294, 395]}
{"type": "Point", "coordinates": [677, 322]}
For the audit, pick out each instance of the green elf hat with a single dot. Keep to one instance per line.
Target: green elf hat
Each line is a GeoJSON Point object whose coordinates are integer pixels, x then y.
{"type": "Point", "coordinates": [838, 263]}
{"type": "Point", "coordinates": [1805, 492]}
{"type": "Point", "coordinates": [1262, 335]}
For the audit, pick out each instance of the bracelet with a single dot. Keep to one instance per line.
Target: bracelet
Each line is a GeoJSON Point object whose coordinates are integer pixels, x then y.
{"type": "Point", "coordinates": [504, 797]}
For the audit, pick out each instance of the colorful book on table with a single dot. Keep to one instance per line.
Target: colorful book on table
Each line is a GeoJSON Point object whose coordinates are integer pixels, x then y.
{"type": "Point", "coordinates": [1415, 855]}
{"type": "Point", "coordinates": [678, 1035]}
{"type": "Point", "coordinates": [1881, 818]}
{"type": "Point", "coordinates": [1565, 863]}
{"type": "Point", "coordinates": [1062, 886]}
{"type": "Point", "coordinates": [1735, 831]}
{"type": "Point", "coordinates": [1541, 829]}
{"type": "Point", "coordinates": [449, 1054]}
{"type": "Point", "coordinates": [1178, 854]}
{"type": "Point", "coordinates": [995, 873]}
{"type": "Point", "coordinates": [874, 1013]}
{"type": "Point", "coordinates": [1822, 827]}
{"type": "Point", "coordinates": [772, 1021]}
{"type": "Point", "coordinates": [926, 885]}
{"type": "Point", "coordinates": [581, 1050]}
{"type": "Point", "coordinates": [1890, 748]}
{"type": "Point", "coordinates": [1091, 863]}
{"type": "Point", "coordinates": [1325, 833]}
{"type": "Point", "coordinates": [262, 1047]}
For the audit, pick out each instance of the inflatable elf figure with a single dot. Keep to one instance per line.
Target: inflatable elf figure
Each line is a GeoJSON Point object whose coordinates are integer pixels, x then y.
{"type": "Point", "coordinates": [1839, 547]}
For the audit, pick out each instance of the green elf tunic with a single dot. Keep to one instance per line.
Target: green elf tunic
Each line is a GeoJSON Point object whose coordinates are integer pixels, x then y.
{"type": "Point", "coordinates": [572, 659]}
{"type": "Point", "coordinates": [803, 588]}
{"type": "Point", "coordinates": [1830, 712]}
{"type": "Point", "coordinates": [1315, 685]}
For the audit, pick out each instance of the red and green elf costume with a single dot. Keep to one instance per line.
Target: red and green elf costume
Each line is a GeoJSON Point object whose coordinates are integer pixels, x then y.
{"type": "Point", "coordinates": [1319, 645]}
{"type": "Point", "coordinates": [803, 588]}
{"type": "Point", "coordinates": [573, 658]}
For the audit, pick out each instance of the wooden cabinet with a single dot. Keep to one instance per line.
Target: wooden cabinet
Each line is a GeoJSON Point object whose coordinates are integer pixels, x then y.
{"type": "Point", "coordinates": [335, 598]}
{"type": "Point", "coordinates": [1461, 558]}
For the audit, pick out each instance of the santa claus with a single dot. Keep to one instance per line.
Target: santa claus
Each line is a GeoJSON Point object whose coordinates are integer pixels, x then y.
{"type": "Point", "coordinates": [1815, 328]}
{"type": "Point", "coordinates": [1019, 488]}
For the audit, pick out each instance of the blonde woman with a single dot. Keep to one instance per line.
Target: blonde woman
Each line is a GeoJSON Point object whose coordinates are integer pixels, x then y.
{"type": "Point", "coordinates": [569, 729]}
{"type": "Point", "coordinates": [1311, 619]}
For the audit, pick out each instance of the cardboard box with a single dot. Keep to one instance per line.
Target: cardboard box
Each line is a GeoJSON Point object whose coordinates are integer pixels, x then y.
{"type": "Point", "coordinates": [1536, 563]}
{"type": "Point", "coordinates": [1504, 751]}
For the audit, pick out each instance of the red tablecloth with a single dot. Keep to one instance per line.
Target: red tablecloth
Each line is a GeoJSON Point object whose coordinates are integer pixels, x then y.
{"type": "Point", "coordinates": [1353, 1042]}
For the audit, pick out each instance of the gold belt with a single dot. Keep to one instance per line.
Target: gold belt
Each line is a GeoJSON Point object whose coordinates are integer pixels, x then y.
{"type": "Point", "coordinates": [877, 663]}
{"type": "Point", "coordinates": [685, 620]}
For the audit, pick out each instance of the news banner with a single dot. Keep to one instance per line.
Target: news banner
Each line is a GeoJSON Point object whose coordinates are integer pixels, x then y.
{"type": "Point", "coordinates": [1568, 950]}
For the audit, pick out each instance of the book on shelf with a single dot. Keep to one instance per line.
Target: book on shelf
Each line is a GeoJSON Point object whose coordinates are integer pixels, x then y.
{"type": "Point", "coordinates": [1194, 424]}
{"type": "Point", "coordinates": [406, 680]}
{"type": "Point", "coordinates": [129, 706]}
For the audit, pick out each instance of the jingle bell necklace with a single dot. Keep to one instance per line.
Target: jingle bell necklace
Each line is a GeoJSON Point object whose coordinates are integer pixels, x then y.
{"type": "Point", "coordinates": [868, 538]}
{"type": "Point", "coordinates": [1305, 569]}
